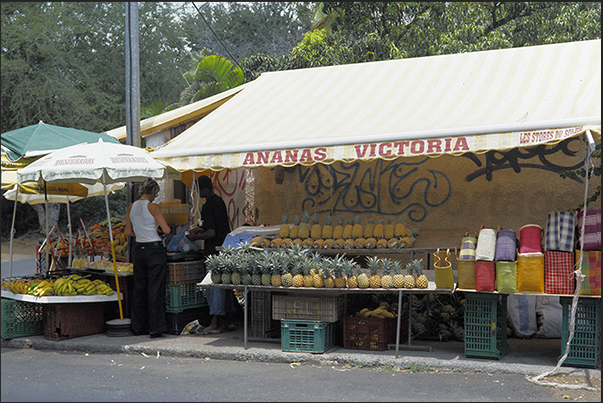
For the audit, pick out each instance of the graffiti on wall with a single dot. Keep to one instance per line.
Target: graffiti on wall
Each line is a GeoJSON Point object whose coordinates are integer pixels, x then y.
{"type": "Point", "coordinates": [383, 188]}
{"type": "Point", "coordinates": [517, 159]}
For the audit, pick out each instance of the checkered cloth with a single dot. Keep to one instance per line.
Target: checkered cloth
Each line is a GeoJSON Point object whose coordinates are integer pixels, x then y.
{"type": "Point", "coordinates": [560, 228]}
{"type": "Point", "coordinates": [468, 247]}
{"type": "Point", "coordinates": [558, 272]}
{"type": "Point", "coordinates": [591, 269]}
{"type": "Point", "coordinates": [530, 272]}
{"type": "Point", "coordinates": [592, 229]}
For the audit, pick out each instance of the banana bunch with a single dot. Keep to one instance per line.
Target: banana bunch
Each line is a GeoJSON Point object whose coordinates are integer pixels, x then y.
{"type": "Point", "coordinates": [19, 286]}
{"type": "Point", "coordinates": [41, 289]}
{"type": "Point", "coordinates": [85, 286]}
{"type": "Point", "coordinates": [381, 312]}
{"type": "Point", "coordinates": [64, 286]}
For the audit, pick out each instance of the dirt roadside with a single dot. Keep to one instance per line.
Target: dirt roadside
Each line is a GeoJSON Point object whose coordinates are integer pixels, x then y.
{"type": "Point", "coordinates": [24, 246]}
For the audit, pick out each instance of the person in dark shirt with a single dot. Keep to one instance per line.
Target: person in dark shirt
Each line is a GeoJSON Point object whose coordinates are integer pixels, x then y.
{"type": "Point", "coordinates": [213, 231]}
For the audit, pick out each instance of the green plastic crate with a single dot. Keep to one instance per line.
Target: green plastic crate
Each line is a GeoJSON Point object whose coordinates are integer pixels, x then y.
{"type": "Point", "coordinates": [21, 319]}
{"type": "Point", "coordinates": [308, 336]}
{"type": "Point", "coordinates": [585, 347]}
{"type": "Point", "coordinates": [486, 325]}
{"type": "Point", "coordinates": [183, 296]}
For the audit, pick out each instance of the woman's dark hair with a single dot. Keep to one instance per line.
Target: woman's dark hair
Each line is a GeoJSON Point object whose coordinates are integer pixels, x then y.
{"type": "Point", "coordinates": [147, 187]}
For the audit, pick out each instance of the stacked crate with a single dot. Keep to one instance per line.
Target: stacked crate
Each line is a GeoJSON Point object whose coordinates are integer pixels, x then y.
{"type": "Point", "coordinates": [309, 323]}
{"type": "Point", "coordinates": [486, 325]}
{"type": "Point", "coordinates": [183, 297]}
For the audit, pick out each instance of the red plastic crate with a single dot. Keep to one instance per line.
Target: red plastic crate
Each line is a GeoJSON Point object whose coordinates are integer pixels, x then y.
{"type": "Point", "coordinates": [66, 321]}
{"type": "Point", "coordinates": [372, 333]}
{"type": "Point", "coordinates": [185, 272]}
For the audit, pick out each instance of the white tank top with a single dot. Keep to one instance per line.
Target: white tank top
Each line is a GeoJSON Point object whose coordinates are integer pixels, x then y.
{"type": "Point", "coordinates": [143, 223]}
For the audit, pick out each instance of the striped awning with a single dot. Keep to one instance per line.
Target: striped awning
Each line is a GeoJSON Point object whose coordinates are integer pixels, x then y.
{"type": "Point", "coordinates": [448, 104]}
{"type": "Point", "coordinates": [183, 115]}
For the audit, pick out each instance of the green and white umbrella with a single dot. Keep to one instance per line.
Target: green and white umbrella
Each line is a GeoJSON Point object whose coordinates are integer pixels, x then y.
{"type": "Point", "coordinates": [99, 162]}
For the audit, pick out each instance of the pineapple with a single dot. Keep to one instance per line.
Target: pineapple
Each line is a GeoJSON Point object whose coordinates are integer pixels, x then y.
{"type": "Point", "coordinates": [381, 243]}
{"type": "Point", "coordinates": [370, 243]}
{"type": "Point", "coordinates": [265, 260]}
{"type": "Point", "coordinates": [276, 275]}
{"type": "Point", "coordinates": [296, 241]}
{"type": "Point", "coordinates": [367, 232]}
{"type": "Point", "coordinates": [339, 243]}
{"type": "Point", "coordinates": [304, 227]}
{"type": "Point", "coordinates": [316, 229]}
{"type": "Point", "coordinates": [359, 243]}
{"type": "Point", "coordinates": [310, 267]}
{"type": "Point", "coordinates": [373, 263]}
{"type": "Point", "coordinates": [328, 244]}
{"type": "Point", "coordinates": [409, 279]}
{"type": "Point", "coordinates": [393, 243]}
{"type": "Point", "coordinates": [328, 280]}
{"type": "Point", "coordinates": [285, 266]}
{"type": "Point", "coordinates": [256, 240]}
{"type": "Point", "coordinates": [256, 273]}
{"type": "Point", "coordinates": [348, 243]}
{"type": "Point", "coordinates": [298, 277]}
{"type": "Point", "coordinates": [327, 229]}
{"type": "Point", "coordinates": [337, 271]}
{"type": "Point", "coordinates": [287, 242]}
{"type": "Point", "coordinates": [357, 229]}
{"type": "Point", "coordinates": [265, 243]}
{"type": "Point", "coordinates": [386, 279]}
{"type": "Point", "coordinates": [379, 230]}
{"type": "Point", "coordinates": [399, 229]}
{"type": "Point", "coordinates": [277, 243]}
{"type": "Point", "coordinates": [388, 229]}
{"type": "Point", "coordinates": [307, 243]}
{"type": "Point", "coordinates": [318, 243]}
{"type": "Point", "coordinates": [284, 229]}
{"type": "Point", "coordinates": [347, 230]}
{"type": "Point", "coordinates": [351, 269]}
{"type": "Point", "coordinates": [398, 278]}
{"type": "Point", "coordinates": [246, 276]}
{"type": "Point", "coordinates": [362, 278]}
{"type": "Point", "coordinates": [294, 228]}
{"type": "Point", "coordinates": [338, 229]}
{"type": "Point", "coordinates": [318, 280]}
{"type": "Point", "coordinates": [212, 263]}
{"type": "Point", "coordinates": [421, 280]}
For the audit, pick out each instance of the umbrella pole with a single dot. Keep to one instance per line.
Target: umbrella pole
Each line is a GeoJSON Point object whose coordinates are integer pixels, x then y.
{"type": "Point", "coordinates": [121, 313]}
{"type": "Point", "coordinates": [12, 230]}
{"type": "Point", "coordinates": [47, 268]}
{"type": "Point", "coordinates": [70, 235]}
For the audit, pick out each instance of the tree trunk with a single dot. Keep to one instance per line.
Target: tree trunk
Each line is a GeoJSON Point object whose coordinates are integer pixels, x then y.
{"type": "Point", "coordinates": [53, 215]}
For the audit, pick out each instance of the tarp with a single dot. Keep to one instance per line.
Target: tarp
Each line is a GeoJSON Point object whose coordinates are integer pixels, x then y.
{"type": "Point", "coordinates": [42, 138]}
{"type": "Point", "coordinates": [185, 114]}
{"type": "Point", "coordinates": [447, 104]}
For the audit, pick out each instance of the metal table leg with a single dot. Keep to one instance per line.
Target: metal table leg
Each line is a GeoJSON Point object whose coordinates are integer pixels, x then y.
{"type": "Point", "coordinates": [245, 318]}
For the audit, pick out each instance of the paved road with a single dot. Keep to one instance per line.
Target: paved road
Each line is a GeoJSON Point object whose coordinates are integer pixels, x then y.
{"type": "Point", "coordinates": [22, 267]}
{"type": "Point", "coordinates": [53, 376]}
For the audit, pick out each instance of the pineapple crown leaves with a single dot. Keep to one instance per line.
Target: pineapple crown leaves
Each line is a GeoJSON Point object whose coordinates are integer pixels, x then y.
{"type": "Point", "coordinates": [357, 219]}
{"type": "Point", "coordinates": [415, 266]}
{"type": "Point", "coordinates": [397, 267]}
{"type": "Point", "coordinates": [389, 220]}
{"type": "Point", "coordinates": [296, 220]}
{"type": "Point", "coordinates": [328, 219]}
{"type": "Point", "coordinates": [387, 265]}
{"type": "Point", "coordinates": [340, 220]}
{"type": "Point", "coordinates": [306, 217]}
{"type": "Point", "coordinates": [285, 218]}
{"type": "Point", "coordinates": [373, 263]}
{"type": "Point", "coordinates": [315, 218]}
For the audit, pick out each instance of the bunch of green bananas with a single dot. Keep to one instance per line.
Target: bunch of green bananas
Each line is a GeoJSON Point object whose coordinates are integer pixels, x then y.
{"type": "Point", "coordinates": [64, 286]}
{"type": "Point", "coordinates": [41, 289]}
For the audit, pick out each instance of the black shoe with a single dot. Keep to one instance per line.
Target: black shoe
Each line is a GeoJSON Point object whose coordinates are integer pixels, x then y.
{"type": "Point", "coordinates": [155, 335]}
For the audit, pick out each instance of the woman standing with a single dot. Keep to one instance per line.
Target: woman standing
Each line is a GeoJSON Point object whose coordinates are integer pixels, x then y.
{"type": "Point", "coordinates": [145, 222]}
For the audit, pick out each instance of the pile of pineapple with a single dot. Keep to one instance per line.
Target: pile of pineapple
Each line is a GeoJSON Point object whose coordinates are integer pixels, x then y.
{"type": "Point", "coordinates": [300, 266]}
{"type": "Point", "coordinates": [309, 233]}
{"type": "Point", "coordinates": [437, 317]}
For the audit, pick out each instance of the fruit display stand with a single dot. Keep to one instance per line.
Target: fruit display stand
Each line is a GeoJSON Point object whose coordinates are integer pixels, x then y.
{"type": "Point", "coordinates": [66, 317]}
{"type": "Point", "coordinates": [335, 292]}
